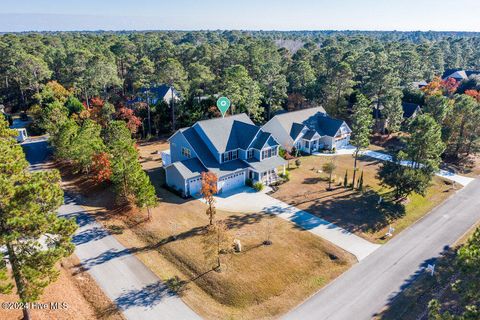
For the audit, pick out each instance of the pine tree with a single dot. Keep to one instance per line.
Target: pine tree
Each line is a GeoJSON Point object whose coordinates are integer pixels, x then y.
{"type": "Point", "coordinates": [362, 122]}
{"type": "Point", "coordinates": [131, 182]}
{"type": "Point", "coordinates": [34, 237]}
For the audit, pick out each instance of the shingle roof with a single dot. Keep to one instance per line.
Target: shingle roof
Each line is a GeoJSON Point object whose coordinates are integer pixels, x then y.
{"type": "Point", "coordinates": [409, 109]}
{"type": "Point", "coordinates": [295, 130]}
{"type": "Point", "coordinates": [207, 158]}
{"type": "Point", "coordinates": [260, 140]}
{"type": "Point", "coordinates": [459, 74]}
{"type": "Point", "coordinates": [229, 133]}
{"type": "Point", "coordinates": [295, 119]}
{"type": "Point", "coordinates": [328, 126]}
{"type": "Point", "coordinates": [309, 134]}
{"type": "Point", "coordinates": [189, 168]}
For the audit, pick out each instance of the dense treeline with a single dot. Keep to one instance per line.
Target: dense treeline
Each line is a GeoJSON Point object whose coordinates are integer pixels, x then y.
{"type": "Point", "coordinates": [257, 74]}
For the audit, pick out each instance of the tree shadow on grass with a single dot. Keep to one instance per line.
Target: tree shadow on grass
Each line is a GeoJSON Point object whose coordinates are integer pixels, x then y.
{"type": "Point", "coordinates": [355, 212]}
{"type": "Point", "coordinates": [241, 220]}
{"type": "Point", "coordinates": [111, 254]}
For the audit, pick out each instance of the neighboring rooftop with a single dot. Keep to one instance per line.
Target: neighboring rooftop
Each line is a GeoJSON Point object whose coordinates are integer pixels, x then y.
{"type": "Point", "coordinates": [409, 109]}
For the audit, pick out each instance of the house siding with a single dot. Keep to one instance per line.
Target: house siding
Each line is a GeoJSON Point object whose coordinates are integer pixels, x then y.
{"type": "Point", "coordinates": [174, 179]}
{"type": "Point", "coordinates": [177, 142]}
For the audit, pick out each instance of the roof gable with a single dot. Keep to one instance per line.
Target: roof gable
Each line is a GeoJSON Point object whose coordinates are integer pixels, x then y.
{"type": "Point", "coordinates": [329, 126]}
{"type": "Point", "coordinates": [229, 133]}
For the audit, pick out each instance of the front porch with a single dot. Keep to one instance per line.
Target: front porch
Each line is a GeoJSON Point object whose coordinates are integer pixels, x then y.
{"type": "Point", "coordinates": [266, 171]}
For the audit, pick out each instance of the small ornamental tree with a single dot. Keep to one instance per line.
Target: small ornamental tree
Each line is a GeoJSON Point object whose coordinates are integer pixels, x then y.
{"type": "Point", "coordinates": [215, 242]}
{"type": "Point", "coordinates": [345, 179]}
{"type": "Point", "coordinates": [329, 168]}
{"type": "Point", "coordinates": [360, 182]}
{"type": "Point", "coordinates": [127, 115]}
{"type": "Point", "coordinates": [101, 167]}
{"type": "Point", "coordinates": [208, 191]}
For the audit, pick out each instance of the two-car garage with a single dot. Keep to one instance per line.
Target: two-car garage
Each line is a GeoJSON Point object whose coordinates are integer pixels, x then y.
{"type": "Point", "coordinates": [225, 183]}
{"type": "Point", "coordinates": [232, 181]}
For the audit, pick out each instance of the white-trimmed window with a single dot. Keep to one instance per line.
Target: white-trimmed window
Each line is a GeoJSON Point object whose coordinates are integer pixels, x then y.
{"type": "Point", "coordinates": [186, 152]}
{"type": "Point", "coordinates": [269, 152]}
{"type": "Point", "coordinates": [250, 154]}
{"type": "Point", "coordinates": [230, 155]}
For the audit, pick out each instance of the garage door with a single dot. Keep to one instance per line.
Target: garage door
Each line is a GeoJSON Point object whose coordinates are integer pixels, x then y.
{"type": "Point", "coordinates": [195, 185]}
{"type": "Point", "coordinates": [232, 181]}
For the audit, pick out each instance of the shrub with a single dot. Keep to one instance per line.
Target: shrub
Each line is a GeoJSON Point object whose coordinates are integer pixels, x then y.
{"type": "Point", "coordinates": [298, 162]}
{"type": "Point", "coordinates": [334, 150]}
{"type": "Point", "coordinates": [258, 186]}
{"type": "Point", "coordinates": [285, 175]}
{"type": "Point", "coordinates": [282, 152]}
{"type": "Point", "coordinates": [249, 182]}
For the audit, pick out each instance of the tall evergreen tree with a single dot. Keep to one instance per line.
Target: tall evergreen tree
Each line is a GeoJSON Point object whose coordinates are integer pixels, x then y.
{"type": "Point", "coordinates": [362, 122]}
{"type": "Point", "coordinates": [34, 236]}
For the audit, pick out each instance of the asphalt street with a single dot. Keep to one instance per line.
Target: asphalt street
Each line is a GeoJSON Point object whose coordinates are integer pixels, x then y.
{"type": "Point", "coordinates": [134, 288]}
{"type": "Point", "coordinates": [371, 284]}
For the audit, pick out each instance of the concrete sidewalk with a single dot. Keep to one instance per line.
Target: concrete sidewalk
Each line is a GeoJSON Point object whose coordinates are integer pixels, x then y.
{"type": "Point", "coordinates": [136, 290]}
{"type": "Point", "coordinates": [245, 200]}
{"type": "Point", "coordinates": [442, 173]}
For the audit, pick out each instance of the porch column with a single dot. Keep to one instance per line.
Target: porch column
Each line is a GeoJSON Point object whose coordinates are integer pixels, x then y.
{"type": "Point", "coordinates": [283, 169]}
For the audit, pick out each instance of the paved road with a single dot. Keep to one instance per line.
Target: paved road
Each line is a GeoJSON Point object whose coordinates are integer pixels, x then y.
{"type": "Point", "coordinates": [368, 286]}
{"type": "Point", "coordinates": [124, 279]}
{"type": "Point", "coordinates": [246, 199]}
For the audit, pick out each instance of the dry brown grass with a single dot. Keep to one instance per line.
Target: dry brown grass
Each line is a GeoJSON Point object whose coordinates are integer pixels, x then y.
{"type": "Point", "coordinates": [261, 282]}
{"type": "Point", "coordinates": [353, 210]}
{"type": "Point", "coordinates": [77, 289]}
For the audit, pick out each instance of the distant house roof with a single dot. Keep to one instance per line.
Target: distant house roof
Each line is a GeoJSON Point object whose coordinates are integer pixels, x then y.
{"type": "Point", "coordinates": [309, 134]}
{"type": "Point", "coordinates": [410, 109]}
{"type": "Point", "coordinates": [157, 92]}
{"type": "Point", "coordinates": [296, 129]}
{"type": "Point", "coordinates": [459, 74]}
{"type": "Point", "coordinates": [189, 168]}
{"type": "Point", "coordinates": [291, 122]}
{"type": "Point", "coordinates": [328, 126]}
{"type": "Point", "coordinates": [229, 133]}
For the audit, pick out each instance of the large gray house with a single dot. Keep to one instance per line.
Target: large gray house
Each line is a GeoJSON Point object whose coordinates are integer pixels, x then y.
{"type": "Point", "coordinates": [308, 130]}
{"type": "Point", "coordinates": [232, 147]}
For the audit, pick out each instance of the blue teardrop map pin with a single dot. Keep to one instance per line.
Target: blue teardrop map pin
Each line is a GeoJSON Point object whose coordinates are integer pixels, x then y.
{"type": "Point", "coordinates": [223, 104]}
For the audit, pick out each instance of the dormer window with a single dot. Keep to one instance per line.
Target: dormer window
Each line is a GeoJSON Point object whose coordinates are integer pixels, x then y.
{"type": "Point", "coordinates": [186, 152]}
{"type": "Point", "coordinates": [269, 152]}
{"type": "Point", "coordinates": [250, 154]}
{"type": "Point", "coordinates": [230, 156]}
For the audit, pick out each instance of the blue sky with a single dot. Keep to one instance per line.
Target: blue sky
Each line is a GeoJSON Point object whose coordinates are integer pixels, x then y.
{"type": "Point", "coordinates": [452, 15]}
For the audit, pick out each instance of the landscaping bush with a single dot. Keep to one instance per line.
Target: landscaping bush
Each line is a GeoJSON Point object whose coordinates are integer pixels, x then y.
{"type": "Point", "coordinates": [249, 182]}
{"type": "Point", "coordinates": [258, 186]}
{"type": "Point", "coordinates": [285, 175]}
{"type": "Point", "coordinates": [298, 162]}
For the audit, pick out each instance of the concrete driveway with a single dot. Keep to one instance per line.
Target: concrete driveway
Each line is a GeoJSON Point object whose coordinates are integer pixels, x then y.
{"type": "Point", "coordinates": [247, 200]}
